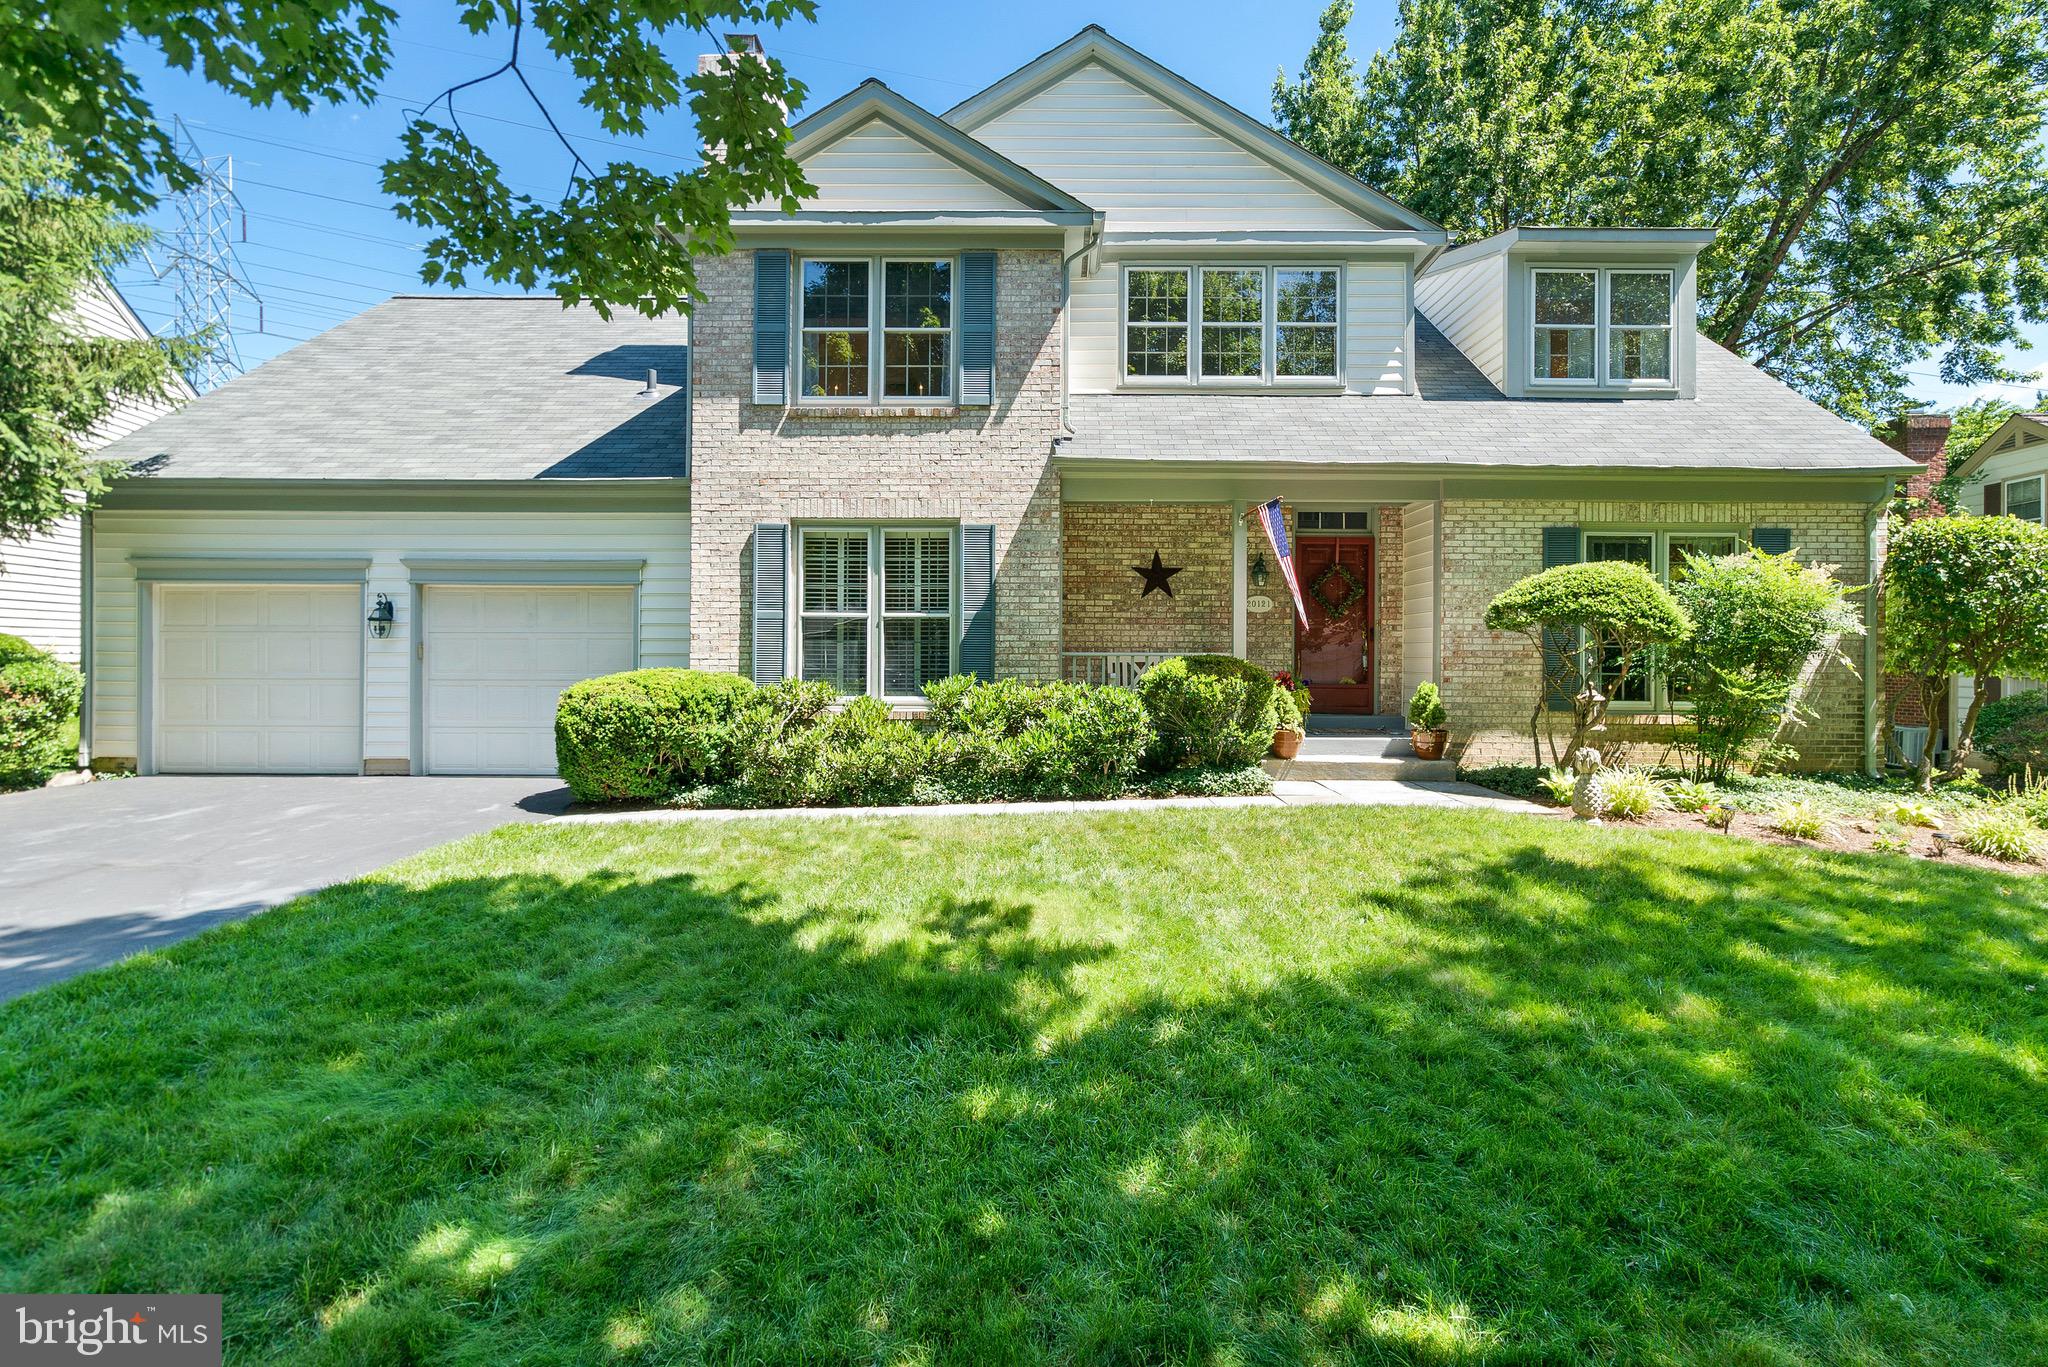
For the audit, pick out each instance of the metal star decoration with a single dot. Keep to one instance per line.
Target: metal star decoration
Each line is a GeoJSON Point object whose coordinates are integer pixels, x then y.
{"type": "Point", "coordinates": [1158, 575]}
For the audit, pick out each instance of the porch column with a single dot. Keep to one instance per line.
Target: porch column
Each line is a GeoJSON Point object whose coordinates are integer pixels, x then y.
{"type": "Point", "coordinates": [1237, 579]}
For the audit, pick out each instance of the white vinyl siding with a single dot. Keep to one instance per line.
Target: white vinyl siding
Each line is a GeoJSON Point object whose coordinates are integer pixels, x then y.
{"type": "Point", "coordinates": [1118, 147]}
{"type": "Point", "coordinates": [877, 167]}
{"type": "Point", "coordinates": [1468, 304]}
{"type": "Point", "coordinates": [39, 590]}
{"type": "Point", "coordinates": [1418, 595]}
{"type": "Point", "coordinates": [661, 537]}
{"type": "Point", "coordinates": [1376, 341]}
{"type": "Point", "coordinates": [1095, 323]}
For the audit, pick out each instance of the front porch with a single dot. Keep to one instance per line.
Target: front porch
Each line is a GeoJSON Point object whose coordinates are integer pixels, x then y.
{"type": "Point", "coordinates": [1144, 581]}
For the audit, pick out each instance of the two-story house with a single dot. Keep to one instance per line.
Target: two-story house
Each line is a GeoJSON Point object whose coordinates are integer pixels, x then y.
{"type": "Point", "coordinates": [997, 398]}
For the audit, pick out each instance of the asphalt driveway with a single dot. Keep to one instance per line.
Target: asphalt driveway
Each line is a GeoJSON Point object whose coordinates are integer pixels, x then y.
{"type": "Point", "coordinates": [94, 873]}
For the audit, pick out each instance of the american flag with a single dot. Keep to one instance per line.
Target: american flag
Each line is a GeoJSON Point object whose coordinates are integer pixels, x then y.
{"type": "Point", "coordinates": [1275, 523]}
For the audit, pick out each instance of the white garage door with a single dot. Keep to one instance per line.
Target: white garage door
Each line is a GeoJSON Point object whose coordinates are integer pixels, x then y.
{"type": "Point", "coordinates": [259, 679]}
{"type": "Point", "coordinates": [497, 658]}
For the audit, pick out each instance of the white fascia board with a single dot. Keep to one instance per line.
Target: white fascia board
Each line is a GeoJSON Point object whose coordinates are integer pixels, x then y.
{"type": "Point", "coordinates": [1570, 244]}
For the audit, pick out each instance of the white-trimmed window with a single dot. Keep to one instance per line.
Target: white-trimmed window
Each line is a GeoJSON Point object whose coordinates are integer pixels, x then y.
{"type": "Point", "coordinates": [2023, 498]}
{"type": "Point", "coordinates": [1567, 320]}
{"type": "Point", "coordinates": [876, 327]}
{"type": "Point", "coordinates": [835, 307]}
{"type": "Point", "coordinates": [917, 329]}
{"type": "Point", "coordinates": [1305, 322]}
{"type": "Point", "coordinates": [1231, 325]}
{"type": "Point", "coordinates": [876, 608]}
{"type": "Point", "coordinates": [1156, 323]}
{"type": "Point", "coordinates": [1234, 323]}
{"type": "Point", "coordinates": [1651, 684]}
{"type": "Point", "coordinates": [1609, 327]}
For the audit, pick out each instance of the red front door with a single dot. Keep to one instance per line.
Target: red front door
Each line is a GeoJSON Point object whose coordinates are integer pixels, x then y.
{"type": "Point", "coordinates": [1333, 652]}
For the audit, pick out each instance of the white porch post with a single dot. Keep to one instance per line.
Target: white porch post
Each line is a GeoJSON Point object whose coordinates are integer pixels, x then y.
{"type": "Point", "coordinates": [1237, 579]}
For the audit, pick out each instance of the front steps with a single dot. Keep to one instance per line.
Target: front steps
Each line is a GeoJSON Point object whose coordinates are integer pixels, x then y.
{"type": "Point", "coordinates": [1356, 752]}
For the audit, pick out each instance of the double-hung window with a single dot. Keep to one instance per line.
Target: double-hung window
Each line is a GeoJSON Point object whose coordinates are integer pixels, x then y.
{"type": "Point", "coordinates": [1650, 682]}
{"type": "Point", "coordinates": [877, 608]}
{"type": "Point", "coordinates": [2023, 498]}
{"type": "Point", "coordinates": [842, 311]}
{"type": "Point", "coordinates": [1601, 327]}
{"type": "Point", "coordinates": [1231, 325]}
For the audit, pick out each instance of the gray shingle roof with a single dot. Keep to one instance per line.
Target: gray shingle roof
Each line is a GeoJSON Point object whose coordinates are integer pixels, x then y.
{"type": "Point", "coordinates": [1742, 419]}
{"type": "Point", "coordinates": [433, 388]}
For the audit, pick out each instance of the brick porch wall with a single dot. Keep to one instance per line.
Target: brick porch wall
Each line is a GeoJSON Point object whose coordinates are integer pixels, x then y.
{"type": "Point", "coordinates": [1269, 635]}
{"type": "Point", "coordinates": [764, 463]}
{"type": "Point", "coordinates": [1387, 563]}
{"type": "Point", "coordinates": [1102, 609]}
{"type": "Point", "coordinates": [1490, 678]}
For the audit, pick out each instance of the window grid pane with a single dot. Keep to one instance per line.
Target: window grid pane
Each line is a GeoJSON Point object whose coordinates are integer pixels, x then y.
{"type": "Point", "coordinates": [1233, 324]}
{"type": "Point", "coordinates": [835, 571]}
{"type": "Point", "coordinates": [917, 573]}
{"type": "Point", "coordinates": [1156, 318]}
{"type": "Point", "coordinates": [836, 294]}
{"type": "Point", "coordinates": [2023, 499]}
{"type": "Point", "coordinates": [836, 364]}
{"type": "Point", "coordinates": [1639, 354]}
{"type": "Point", "coordinates": [917, 294]}
{"type": "Point", "coordinates": [917, 365]}
{"type": "Point", "coordinates": [835, 649]}
{"type": "Point", "coordinates": [1639, 299]}
{"type": "Point", "coordinates": [917, 319]}
{"type": "Point", "coordinates": [1305, 351]}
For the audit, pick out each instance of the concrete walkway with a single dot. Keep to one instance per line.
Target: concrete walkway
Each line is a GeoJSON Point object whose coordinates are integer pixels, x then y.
{"type": "Point", "coordinates": [1286, 793]}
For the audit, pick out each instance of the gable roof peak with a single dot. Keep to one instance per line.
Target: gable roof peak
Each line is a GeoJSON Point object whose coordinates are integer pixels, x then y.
{"type": "Point", "coordinates": [1095, 43]}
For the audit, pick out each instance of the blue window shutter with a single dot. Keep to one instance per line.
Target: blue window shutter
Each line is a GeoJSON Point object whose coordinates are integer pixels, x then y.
{"type": "Point", "coordinates": [1771, 540]}
{"type": "Point", "coordinates": [978, 329]}
{"type": "Point", "coordinates": [771, 601]}
{"type": "Point", "coordinates": [1560, 547]}
{"type": "Point", "coordinates": [978, 601]}
{"type": "Point", "coordinates": [771, 327]}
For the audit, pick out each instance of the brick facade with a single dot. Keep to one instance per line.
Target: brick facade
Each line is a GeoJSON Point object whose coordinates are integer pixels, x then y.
{"type": "Point", "coordinates": [1269, 635]}
{"type": "Point", "coordinates": [766, 463]}
{"type": "Point", "coordinates": [1103, 609]}
{"type": "Point", "coordinates": [1490, 678]}
{"type": "Point", "coordinates": [1922, 437]}
{"type": "Point", "coordinates": [1387, 565]}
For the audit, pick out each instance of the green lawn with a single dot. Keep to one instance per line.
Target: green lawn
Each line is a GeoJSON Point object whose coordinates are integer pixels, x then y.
{"type": "Point", "coordinates": [1228, 1086]}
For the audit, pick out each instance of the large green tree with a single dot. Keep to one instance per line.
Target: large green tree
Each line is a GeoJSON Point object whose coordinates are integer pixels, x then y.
{"type": "Point", "coordinates": [1873, 167]}
{"type": "Point", "coordinates": [57, 380]}
{"type": "Point", "coordinates": [620, 235]}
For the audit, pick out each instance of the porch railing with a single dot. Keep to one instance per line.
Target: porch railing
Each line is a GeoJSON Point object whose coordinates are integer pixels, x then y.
{"type": "Point", "coordinates": [1119, 667]}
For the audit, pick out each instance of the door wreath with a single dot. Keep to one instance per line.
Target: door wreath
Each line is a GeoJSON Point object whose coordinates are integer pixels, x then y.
{"type": "Point", "coordinates": [1336, 599]}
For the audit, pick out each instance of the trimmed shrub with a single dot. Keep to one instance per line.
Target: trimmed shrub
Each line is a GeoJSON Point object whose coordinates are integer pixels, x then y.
{"type": "Point", "coordinates": [39, 696]}
{"type": "Point", "coordinates": [778, 746]}
{"type": "Point", "coordinates": [1011, 739]}
{"type": "Point", "coordinates": [867, 758]}
{"type": "Point", "coordinates": [646, 733]}
{"type": "Point", "coordinates": [1426, 708]}
{"type": "Point", "coordinates": [1208, 711]}
{"type": "Point", "coordinates": [2014, 730]}
{"type": "Point", "coordinates": [1618, 609]}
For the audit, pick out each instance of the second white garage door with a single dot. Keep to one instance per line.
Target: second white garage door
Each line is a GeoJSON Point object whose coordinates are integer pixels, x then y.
{"type": "Point", "coordinates": [498, 657]}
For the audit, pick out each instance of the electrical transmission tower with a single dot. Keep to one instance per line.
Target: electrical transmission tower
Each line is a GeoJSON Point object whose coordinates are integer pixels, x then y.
{"type": "Point", "coordinates": [197, 254]}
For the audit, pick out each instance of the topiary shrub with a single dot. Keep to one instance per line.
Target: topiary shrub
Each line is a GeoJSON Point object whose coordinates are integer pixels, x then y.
{"type": "Point", "coordinates": [39, 697]}
{"type": "Point", "coordinates": [648, 732]}
{"type": "Point", "coordinates": [2014, 730]}
{"type": "Point", "coordinates": [1616, 609]}
{"type": "Point", "coordinates": [1208, 711]}
{"type": "Point", "coordinates": [1426, 708]}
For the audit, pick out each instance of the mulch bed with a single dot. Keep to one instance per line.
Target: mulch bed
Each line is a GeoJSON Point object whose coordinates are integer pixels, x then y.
{"type": "Point", "coordinates": [1853, 835]}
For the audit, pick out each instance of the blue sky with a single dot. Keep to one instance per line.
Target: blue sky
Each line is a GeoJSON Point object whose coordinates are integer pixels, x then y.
{"type": "Point", "coordinates": [322, 242]}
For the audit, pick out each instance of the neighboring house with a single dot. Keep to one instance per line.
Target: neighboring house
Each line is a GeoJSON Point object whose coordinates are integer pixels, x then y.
{"type": "Point", "coordinates": [40, 578]}
{"type": "Point", "coordinates": [996, 399]}
{"type": "Point", "coordinates": [2008, 474]}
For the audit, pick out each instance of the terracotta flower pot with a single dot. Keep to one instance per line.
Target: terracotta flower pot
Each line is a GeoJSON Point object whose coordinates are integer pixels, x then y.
{"type": "Point", "coordinates": [1286, 744]}
{"type": "Point", "coordinates": [1429, 744]}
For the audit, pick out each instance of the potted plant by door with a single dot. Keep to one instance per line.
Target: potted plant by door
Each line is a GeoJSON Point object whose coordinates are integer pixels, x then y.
{"type": "Point", "coordinates": [1290, 713]}
{"type": "Point", "coordinates": [1426, 731]}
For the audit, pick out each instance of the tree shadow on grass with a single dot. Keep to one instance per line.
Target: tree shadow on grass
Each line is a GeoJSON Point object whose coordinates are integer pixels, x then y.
{"type": "Point", "coordinates": [1521, 1107]}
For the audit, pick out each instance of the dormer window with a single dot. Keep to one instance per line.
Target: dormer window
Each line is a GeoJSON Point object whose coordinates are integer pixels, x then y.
{"type": "Point", "coordinates": [1231, 326]}
{"type": "Point", "coordinates": [1602, 327]}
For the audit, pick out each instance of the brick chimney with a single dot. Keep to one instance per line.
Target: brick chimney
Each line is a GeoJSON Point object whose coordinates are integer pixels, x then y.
{"type": "Point", "coordinates": [1921, 437]}
{"type": "Point", "coordinates": [739, 47]}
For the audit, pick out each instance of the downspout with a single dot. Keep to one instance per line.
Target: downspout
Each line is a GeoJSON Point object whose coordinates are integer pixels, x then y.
{"type": "Point", "coordinates": [1088, 244]}
{"type": "Point", "coordinates": [1873, 610]}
